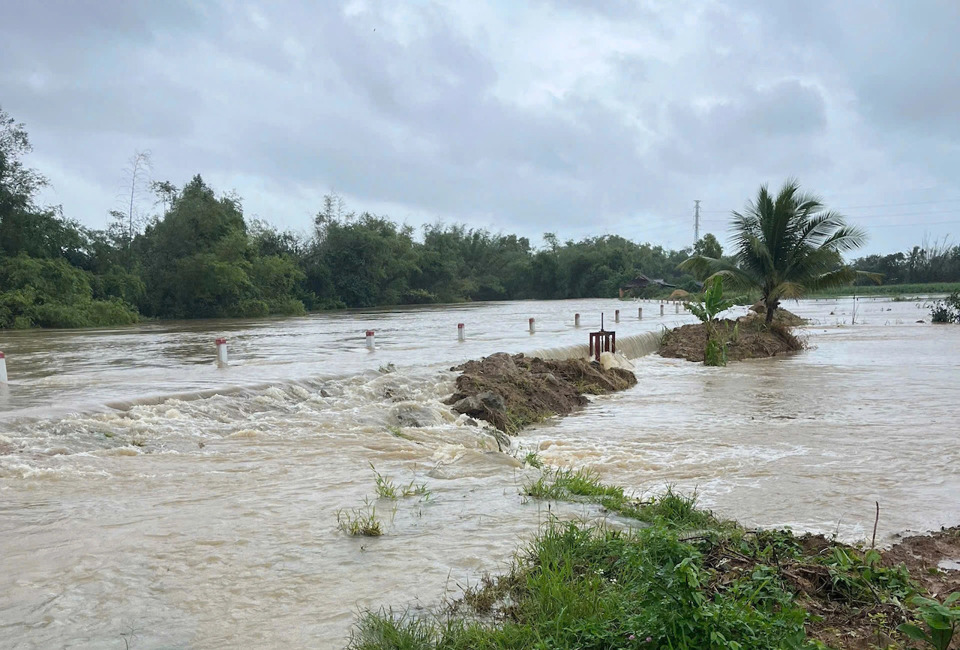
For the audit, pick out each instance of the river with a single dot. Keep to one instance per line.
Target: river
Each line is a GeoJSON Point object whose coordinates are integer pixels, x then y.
{"type": "Point", "coordinates": [149, 499]}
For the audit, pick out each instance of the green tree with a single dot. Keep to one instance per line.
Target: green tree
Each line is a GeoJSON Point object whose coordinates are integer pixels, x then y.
{"type": "Point", "coordinates": [786, 245]}
{"type": "Point", "coordinates": [708, 246]}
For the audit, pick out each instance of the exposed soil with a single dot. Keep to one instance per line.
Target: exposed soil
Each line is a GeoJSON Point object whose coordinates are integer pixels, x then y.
{"type": "Point", "coordinates": [511, 392]}
{"type": "Point", "coordinates": [874, 626]}
{"type": "Point", "coordinates": [746, 338]}
{"type": "Point", "coordinates": [781, 316]}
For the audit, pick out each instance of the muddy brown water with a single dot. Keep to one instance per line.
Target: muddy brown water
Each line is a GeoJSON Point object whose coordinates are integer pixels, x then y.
{"type": "Point", "coordinates": [151, 500]}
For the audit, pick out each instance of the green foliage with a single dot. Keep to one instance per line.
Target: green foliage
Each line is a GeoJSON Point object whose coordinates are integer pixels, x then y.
{"type": "Point", "coordinates": [946, 311]}
{"type": "Point", "coordinates": [715, 352]}
{"type": "Point", "coordinates": [360, 522]}
{"type": "Point", "coordinates": [533, 459]}
{"type": "Point", "coordinates": [708, 246]}
{"type": "Point", "coordinates": [712, 303]}
{"type": "Point", "coordinates": [940, 619]}
{"type": "Point", "coordinates": [706, 310]}
{"type": "Point", "coordinates": [52, 293]}
{"type": "Point", "coordinates": [387, 489]}
{"type": "Point", "coordinates": [786, 246]}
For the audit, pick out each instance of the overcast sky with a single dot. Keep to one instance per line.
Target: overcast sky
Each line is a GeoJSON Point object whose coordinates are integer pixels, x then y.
{"type": "Point", "coordinates": [574, 117]}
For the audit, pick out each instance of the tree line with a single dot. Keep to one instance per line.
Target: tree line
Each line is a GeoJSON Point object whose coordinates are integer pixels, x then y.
{"type": "Point", "coordinates": [936, 261]}
{"type": "Point", "coordinates": [200, 257]}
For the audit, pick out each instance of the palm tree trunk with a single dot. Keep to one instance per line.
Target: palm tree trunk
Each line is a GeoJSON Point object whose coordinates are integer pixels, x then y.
{"type": "Point", "coordinates": [770, 311]}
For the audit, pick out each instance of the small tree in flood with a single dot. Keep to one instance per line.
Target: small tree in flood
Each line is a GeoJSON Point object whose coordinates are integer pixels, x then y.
{"type": "Point", "coordinates": [707, 311]}
{"type": "Point", "coordinates": [786, 245]}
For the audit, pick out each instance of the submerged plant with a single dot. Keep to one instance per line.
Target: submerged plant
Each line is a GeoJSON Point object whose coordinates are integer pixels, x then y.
{"type": "Point", "coordinates": [947, 310]}
{"type": "Point", "coordinates": [387, 489]}
{"type": "Point", "coordinates": [360, 521]}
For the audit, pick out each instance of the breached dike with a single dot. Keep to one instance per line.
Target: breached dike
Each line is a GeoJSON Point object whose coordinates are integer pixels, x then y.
{"type": "Point", "coordinates": [631, 347]}
{"type": "Point", "coordinates": [513, 391]}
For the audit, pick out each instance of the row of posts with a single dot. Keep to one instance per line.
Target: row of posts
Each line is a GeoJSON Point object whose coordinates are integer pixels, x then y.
{"type": "Point", "coordinates": [223, 360]}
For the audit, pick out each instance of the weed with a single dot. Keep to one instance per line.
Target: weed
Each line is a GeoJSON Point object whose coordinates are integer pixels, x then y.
{"type": "Point", "coordinates": [386, 489]}
{"type": "Point", "coordinates": [941, 620]}
{"type": "Point", "coordinates": [360, 521]}
{"type": "Point", "coordinates": [414, 489]}
{"type": "Point", "coordinates": [387, 369]}
{"type": "Point", "coordinates": [533, 459]}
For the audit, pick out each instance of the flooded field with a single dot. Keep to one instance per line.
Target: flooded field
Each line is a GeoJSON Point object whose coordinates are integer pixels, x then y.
{"type": "Point", "coordinates": [130, 518]}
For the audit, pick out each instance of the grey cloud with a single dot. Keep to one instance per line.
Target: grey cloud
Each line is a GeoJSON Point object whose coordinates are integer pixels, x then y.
{"type": "Point", "coordinates": [404, 105]}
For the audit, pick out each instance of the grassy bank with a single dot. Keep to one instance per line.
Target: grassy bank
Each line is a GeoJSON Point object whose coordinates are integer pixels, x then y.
{"type": "Point", "coordinates": [890, 290]}
{"type": "Point", "coordinates": [673, 576]}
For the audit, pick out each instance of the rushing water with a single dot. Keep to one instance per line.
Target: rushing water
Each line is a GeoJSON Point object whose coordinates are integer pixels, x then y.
{"type": "Point", "coordinates": [150, 499]}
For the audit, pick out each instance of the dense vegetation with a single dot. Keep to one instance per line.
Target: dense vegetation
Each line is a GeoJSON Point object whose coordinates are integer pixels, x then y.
{"type": "Point", "coordinates": [931, 262]}
{"type": "Point", "coordinates": [200, 257]}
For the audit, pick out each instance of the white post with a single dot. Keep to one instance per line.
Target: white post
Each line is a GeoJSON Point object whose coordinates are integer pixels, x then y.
{"type": "Point", "coordinates": [661, 309]}
{"type": "Point", "coordinates": [3, 368]}
{"type": "Point", "coordinates": [616, 316]}
{"type": "Point", "coordinates": [576, 320]}
{"type": "Point", "coordinates": [461, 335]}
{"type": "Point", "coordinates": [533, 326]}
{"type": "Point", "coordinates": [640, 313]}
{"type": "Point", "coordinates": [370, 339]}
{"type": "Point", "coordinates": [222, 352]}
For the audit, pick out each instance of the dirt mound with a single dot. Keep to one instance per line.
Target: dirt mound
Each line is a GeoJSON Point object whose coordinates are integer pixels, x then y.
{"type": "Point", "coordinates": [933, 560]}
{"type": "Point", "coordinates": [679, 294]}
{"type": "Point", "coordinates": [745, 339]}
{"type": "Point", "coordinates": [511, 392]}
{"type": "Point", "coordinates": [782, 316]}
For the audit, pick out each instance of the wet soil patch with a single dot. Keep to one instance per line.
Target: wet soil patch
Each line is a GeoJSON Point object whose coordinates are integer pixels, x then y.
{"type": "Point", "coordinates": [513, 391]}
{"type": "Point", "coordinates": [746, 338]}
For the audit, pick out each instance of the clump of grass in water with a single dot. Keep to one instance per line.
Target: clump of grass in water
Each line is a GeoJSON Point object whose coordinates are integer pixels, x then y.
{"type": "Point", "coordinates": [670, 508]}
{"type": "Point", "coordinates": [387, 489]}
{"type": "Point", "coordinates": [360, 521]}
{"type": "Point", "coordinates": [533, 459]}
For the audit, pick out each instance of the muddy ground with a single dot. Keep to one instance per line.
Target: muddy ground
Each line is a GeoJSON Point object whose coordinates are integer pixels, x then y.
{"type": "Point", "coordinates": [746, 338]}
{"type": "Point", "coordinates": [511, 392]}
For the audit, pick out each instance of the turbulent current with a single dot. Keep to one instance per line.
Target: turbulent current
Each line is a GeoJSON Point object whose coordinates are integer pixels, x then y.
{"type": "Point", "coordinates": [149, 499]}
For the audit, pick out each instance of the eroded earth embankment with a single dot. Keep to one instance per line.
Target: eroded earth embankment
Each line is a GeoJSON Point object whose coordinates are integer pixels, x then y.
{"type": "Point", "coordinates": [513, 391]}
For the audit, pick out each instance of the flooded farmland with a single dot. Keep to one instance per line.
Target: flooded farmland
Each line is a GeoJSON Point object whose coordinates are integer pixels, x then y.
{"type": "Point", "coordinates": [154, 500]}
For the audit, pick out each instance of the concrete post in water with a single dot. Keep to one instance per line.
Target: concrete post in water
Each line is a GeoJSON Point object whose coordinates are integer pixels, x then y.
{"type": "Point", "coordinates": [640, 313]}
{"type": "Point", "coordinates": [616, 316]}
{"type": "Point", "coordinates": [533, 326]}
{"type": "Point", "coordinates": [371, 344]}
{"type": "Point", "coordinates": [3, 368]}
{"type": "Point", "coordinates": [461, 336]}
{"type": "Point", "coordinates": [676, 308]}
{"type": "Point", "coordinates": [576, 320]}
{"type": "Point", "coordinates": [661, 309]}
{"type": "Point", "coordinates": [222, 352]}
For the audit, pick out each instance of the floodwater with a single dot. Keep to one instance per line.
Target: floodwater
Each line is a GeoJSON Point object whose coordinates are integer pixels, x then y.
{"type": "Point", "coordinates": [149, 499]}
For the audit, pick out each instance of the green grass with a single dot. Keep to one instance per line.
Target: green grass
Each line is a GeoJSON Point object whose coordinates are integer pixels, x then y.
{"type": "Point", "coordinates": [387, 489]}
{"type": "Point", "coordinates": [889, 290]}
{"type": "Point", "coordinates": [360, 522]}
{"type": "Point", "coordinates": [670, 509]}
{"type": "Point", "coordinates": [533, 459]}
{"type": "Point", "coordinates": [685, 581]}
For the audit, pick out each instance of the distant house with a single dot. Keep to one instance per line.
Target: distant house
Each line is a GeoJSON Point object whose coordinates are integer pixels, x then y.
{"type": "Point", "coordinates": [640, 283]}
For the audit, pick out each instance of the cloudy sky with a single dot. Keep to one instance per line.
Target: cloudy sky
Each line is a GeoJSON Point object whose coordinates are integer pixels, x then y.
{"type": "Point", "coordinates": [581, 118]}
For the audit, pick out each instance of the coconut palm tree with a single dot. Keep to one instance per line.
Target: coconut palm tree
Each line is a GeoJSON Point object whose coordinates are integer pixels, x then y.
{"type": "Point", "coordinates": [785, 246]}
